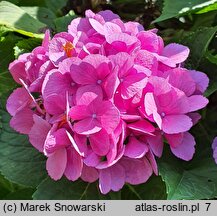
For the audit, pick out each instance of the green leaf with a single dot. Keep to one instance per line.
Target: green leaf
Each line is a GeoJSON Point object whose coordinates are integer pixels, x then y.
{"type": "Point", "coordinates": [211, 71]}
{"type": "Point", "coordinates": [212, 58]}
{"type": "Point", "coordinates": [209, 8]}
{"type": "Point", "coordinates": [153, 189]}
{"type": "Point", "coordinates": [19, 161]}
{"type": "Point", "coordinates": [61, 23]}
{"type": "Point", "coordinates": [198, 43]}
{"type": "Point", "coordinates": [188, 184]}
{"type": "Point", "coordinates": [66, 190]}
{"type": "Point", "coordinates": [208, 65]}
{"type": "Point", "coordinates": [196, 179]}
{"type": "Point", "coordinates": [25, 46]}
{"type": "Point", "coordinates": [5, 187]}
{"type": "Point", "coordinates": [177, 8]}
{"type": "Point", "coordinates": [21, 194]}
{"type": "Point", "coordinates": [18, 20]}
{"type": "Point", "coordinates": [56, 5]}
{"type": "Point", "coordinates": [4, 30]}
{"type": "Point", "coordinates": [42, 14]}
{"type": "Point", "coordinates": [6, 56]}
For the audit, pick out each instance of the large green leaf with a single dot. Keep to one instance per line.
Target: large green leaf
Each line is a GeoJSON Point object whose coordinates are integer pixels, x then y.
{"type": "Point", "coordinates": [20, 194]}
{"type": "Point", "coordinates": [66, 190]}
{"type": "Point", "coordinates": [209, 8]}
{"type": "Point", "coordinates": [198, 43]}
{"type": "Point", "coordinates": [6, 56]}
{"type": "Point", "coordinates": [196, 179]}
{"type": "Point", "coordinates": [42, 14]}
{"type": "Point", "coordinates": [61, 23]}
{"type": "Point", "coordinates": [19, 161]}
{"type": "Point", "coordinates": [19, 20]}
{"type": "Point", "coordinates": [5, 187]}
{"type": "Point", "coordinates": [153, 189]}
{"type": "Point", "coordinates": [176, 8]}
{"type": "Point", "coordinates": [209, 65]}
{"type": "Point", "coordinates": [25, 46]}
{"type": "Point", "coordinates": [200, 57]}
{"type": "Point", "coordinates": [56, 5]}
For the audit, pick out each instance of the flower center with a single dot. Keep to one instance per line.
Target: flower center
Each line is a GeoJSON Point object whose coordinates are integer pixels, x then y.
{"type": "Point", "coordinates": [163, 114]}
{"type": "Point", "coordinates": [94, 115]}
{"type": "Point", "coordinates": [99, 81]}
{"type": "Point", "coordinates": [68, 47]}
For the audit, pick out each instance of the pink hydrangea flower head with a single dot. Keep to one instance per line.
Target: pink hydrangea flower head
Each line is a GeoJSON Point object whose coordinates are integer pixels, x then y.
{"type": "Point", "coordinates": [100, 99]}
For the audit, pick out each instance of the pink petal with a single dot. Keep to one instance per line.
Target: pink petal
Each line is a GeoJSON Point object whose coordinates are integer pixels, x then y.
{"type": "Point", "coordinates": [17, 68]}
{"type": "Point", "coordinates": [74, 165]}
{"type": "Point", "coordinates": [51, 105]}
{"type": "Point", "coordinates": [56, 139]}
{"type": "Point", "coordinates": [156, 143]}
{"type": "Point", "coordinates": [92, 159]}
{"type": "Point", "coordinates": [214, 144]}
{"type": "Point", "coordinates": [111, 28]}
{"type": "Point", "coordinates": [17, 100]}
{"type": "Point", "coordinates": [150, 41]}
{"type": "Point", "coordinates": [109, 116]}
{"type": "Point", "coordinates": [152, 161]}
{"type": "Point", "coordinates": [66, 65]}
{"type": "Point", "coordinates": [137, 171]}
{"type": "Point", "coordinates": [150, 104]}
{"type": "Point", "coordinates": [181, 79]}
{"type": "Point", "coordinates": [185, 150]}
{"type": "Point", "coordinates": [195, 117]}
{"type": "Point", "coordinates": [74, 144]}
{"type": "Point", "coordinates": [123, 62]}
{"type": "Point", "coordinates": [56, 51]}
{"type": "Point", "coordinates": [87, 126]}
{"type": "Point", "coordinates": [38, 132]}
{"type": "Point", "coordinates": [111, 83]}
{"type": "Point", "coordinates": [132, 85]}
{"type": "Point", "coordinates": [84, 73]}
{"type": "Point", "coordinates": [46, 39]}
{"type": "Point", "coordinates": [174, 140]}
{"type": "Point", "coordinates": [142, 126]}
{"type": "Point", "coordinates": [105, 181]}
{"type": "Point", "coordinates": [89, 174]}
{"type": "Point", "coordinates": [130, 118]}
{"type": "Point", "coordinates": [135, 148]}
{"type": "Point", "coordinates": [201, 80]}
{"type": "Point", "coordinates": [176, 53]}
{"type": "Point", "coordinates": [100, 142]}
{"type": "Point", "coordinates": [197, 102]}
{"type": "Point", "coordinates": [214, 147]}
{"type": "Point", "coordinates": [157, 118]}
{"type": "Point", "coordinates": [56, 164]}
{"type": "Point", "coordinates": [97, 26]}
{"type": "Point", "coordinates": [121, 37]}
{"type": "Point", "coordinates": [176, 124]}
{"type": "Point", "coordinates": [78, 112]}
{"type": "Point", "coordinates": [86, 94]}
{"type": "Point", "coordinates": [173, 102]}
{"type": "Point", "coordinates": [117, 176]}
{"type": "Point", "coordinates": [81, 142]}
{"type": "Point", "coordinates": [22, 122]}
{"type": "Point", "coordinates": [96, 60]}
{"type": "Point", "coordinates": [108, 15]}
{"type": "Point", "coordinates": [147, 60]}
{"type": "Point", "coordinates": [54, 91]}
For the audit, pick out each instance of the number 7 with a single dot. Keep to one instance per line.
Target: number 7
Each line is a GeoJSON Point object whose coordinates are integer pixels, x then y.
{"type": "Point", "coordinates": [208, 205]}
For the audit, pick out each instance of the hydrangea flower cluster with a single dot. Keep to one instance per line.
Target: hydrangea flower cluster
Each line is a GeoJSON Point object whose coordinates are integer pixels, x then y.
{"type": "Point", "coordinates": [99, 100]}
